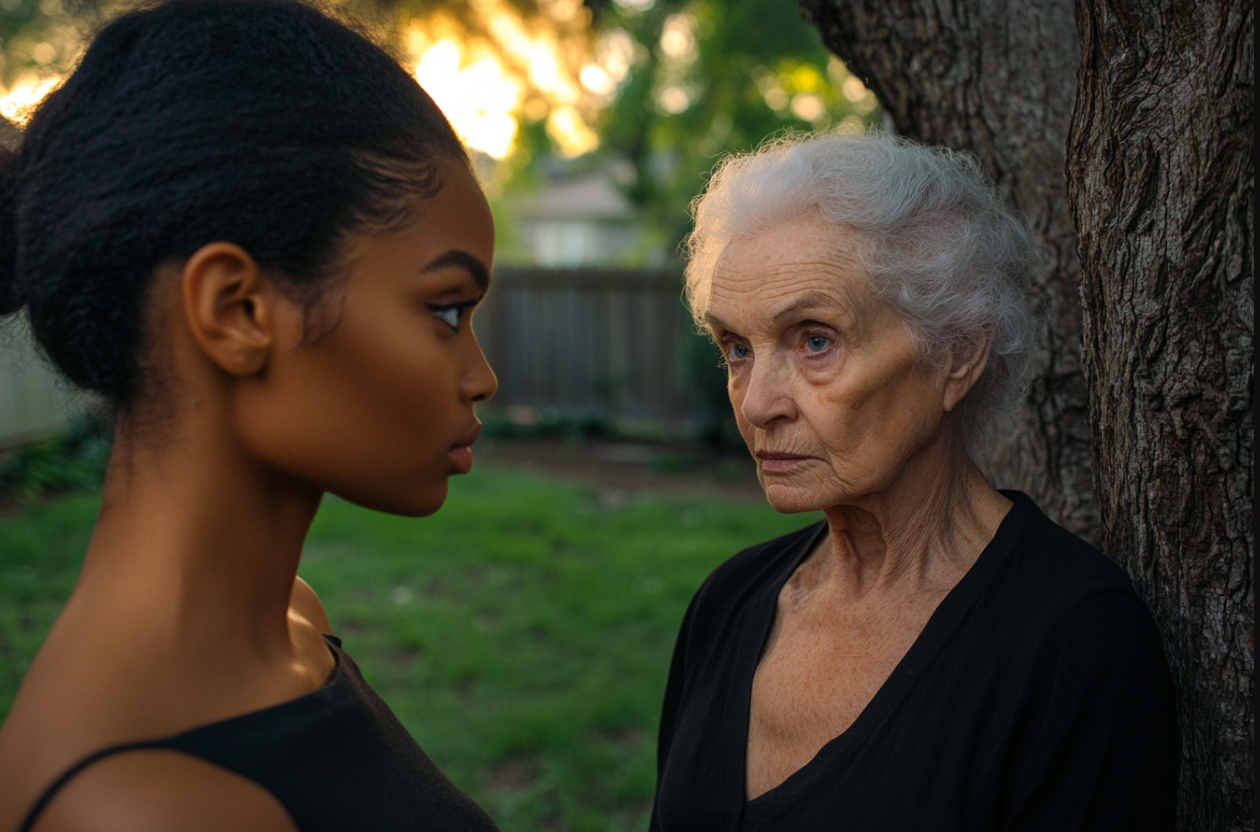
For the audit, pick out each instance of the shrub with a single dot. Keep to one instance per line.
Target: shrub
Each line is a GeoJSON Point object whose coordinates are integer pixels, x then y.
{"type": "Point", "coordinates": [71, 461]}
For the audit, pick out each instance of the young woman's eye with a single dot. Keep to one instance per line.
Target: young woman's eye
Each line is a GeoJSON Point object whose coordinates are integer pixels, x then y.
{"type": "Point", "coordinates": [818, 343]}
{"type": "Point", "coordinates": [452, 314]}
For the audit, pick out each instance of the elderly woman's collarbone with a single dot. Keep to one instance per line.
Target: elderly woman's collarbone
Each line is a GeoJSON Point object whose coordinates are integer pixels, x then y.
{"type": "Point", "coordinates": [825, 660]}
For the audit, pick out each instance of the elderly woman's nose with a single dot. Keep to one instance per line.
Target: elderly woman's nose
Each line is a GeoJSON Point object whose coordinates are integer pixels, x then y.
{"type": "Point", "coordinates": [767, 395]}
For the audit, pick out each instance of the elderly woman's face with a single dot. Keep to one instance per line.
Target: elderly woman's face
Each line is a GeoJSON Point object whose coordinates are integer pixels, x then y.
{"type": "Point", "coordinates": [827, 383]}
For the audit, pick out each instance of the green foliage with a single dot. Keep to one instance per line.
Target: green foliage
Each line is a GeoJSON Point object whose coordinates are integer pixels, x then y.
{"type": "Point", "coordinates": [41, 548]}
{"type": "Point", "coordinates": [45, 38]}
{"type": "Point", "coordinates": [750, 62]}
{"type": "Point", "coordinates": [522, 634]}
{"type": "Point", "coordinates": [72, 461]}
{"type": "Point", "coordinates": [22, 26]}
{"type": "Point", "coordinates": [742, 68]}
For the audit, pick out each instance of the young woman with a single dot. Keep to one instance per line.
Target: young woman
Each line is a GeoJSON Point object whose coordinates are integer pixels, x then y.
{"type": "Point", "coordinates": [249, 229]}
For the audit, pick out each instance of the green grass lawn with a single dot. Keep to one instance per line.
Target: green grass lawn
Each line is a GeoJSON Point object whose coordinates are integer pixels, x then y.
{"type": "Point", "coordinates": [522, 634]}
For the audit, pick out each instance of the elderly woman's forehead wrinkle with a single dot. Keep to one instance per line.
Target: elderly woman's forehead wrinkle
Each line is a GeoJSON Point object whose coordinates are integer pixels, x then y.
{"type": "Point", "coordinates": [792, 252]}
{"type": "Point", "coordinates": [785, 273]}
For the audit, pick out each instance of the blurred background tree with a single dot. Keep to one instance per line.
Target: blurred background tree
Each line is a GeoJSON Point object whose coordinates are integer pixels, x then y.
{"type": "Point", "coordinates": [710, 78]}
{"type": "Point", "coordinates": [653, 90]}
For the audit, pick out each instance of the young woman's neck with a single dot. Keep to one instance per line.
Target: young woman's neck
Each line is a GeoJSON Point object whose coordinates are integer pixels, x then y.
{"type": "Point", "coordinates": [196, 535]}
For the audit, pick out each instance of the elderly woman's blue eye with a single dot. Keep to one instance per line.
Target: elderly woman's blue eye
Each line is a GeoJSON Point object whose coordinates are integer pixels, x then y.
{"type": "Point", "coordinates": [817, 343]}
{"type": "Point", "coordinates": [735, 352]}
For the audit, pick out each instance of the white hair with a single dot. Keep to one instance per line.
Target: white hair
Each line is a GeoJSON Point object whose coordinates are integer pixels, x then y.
{"type": "Point", "coordinates": [937, 242]}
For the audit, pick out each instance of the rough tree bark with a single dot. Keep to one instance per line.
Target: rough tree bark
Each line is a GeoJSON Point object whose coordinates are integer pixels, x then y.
{"type": "Point", "coordinates": [997, 79]}
{"type": "Point", "coordinates": [1161, 177]}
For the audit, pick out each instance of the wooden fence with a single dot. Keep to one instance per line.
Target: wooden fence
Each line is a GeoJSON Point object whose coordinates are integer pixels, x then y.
{"type": "Point", "coordinates": [610, 343]}
{"type": "Point", "coordinates": [588, 341]}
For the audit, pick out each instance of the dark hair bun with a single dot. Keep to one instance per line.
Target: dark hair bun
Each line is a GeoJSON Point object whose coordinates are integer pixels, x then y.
{"type": "Point", "coordinates": [10, 298]}
{"type": "Point", "coordinates": [259, 122]}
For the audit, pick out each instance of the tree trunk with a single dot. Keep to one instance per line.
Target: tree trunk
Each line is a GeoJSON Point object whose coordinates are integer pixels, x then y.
{"type": "Point", "coordinates": [997, 79]}
{"type": "Point", "coordinates": [1160, 178]}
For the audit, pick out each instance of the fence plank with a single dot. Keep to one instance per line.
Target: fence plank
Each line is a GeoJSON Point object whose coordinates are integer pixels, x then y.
{"type": "Point", "coordinates": [590, 342]}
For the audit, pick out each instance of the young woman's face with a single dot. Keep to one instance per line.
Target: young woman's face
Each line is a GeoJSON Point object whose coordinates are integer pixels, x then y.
{"type": "Point", "coordinates": [380, 409]}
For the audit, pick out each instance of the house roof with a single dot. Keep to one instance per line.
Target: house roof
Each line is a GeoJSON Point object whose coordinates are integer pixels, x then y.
{"type": "Point", "coordinates": [590, 197]}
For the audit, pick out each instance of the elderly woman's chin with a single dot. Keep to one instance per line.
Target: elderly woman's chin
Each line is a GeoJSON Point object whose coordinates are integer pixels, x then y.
{"type": "Point", "coordinates": [817, 486]}
{"type": "Point", "coordinates": [812, 488]}
{"type": "Point", "coordinates": [909, 465]}
{"type": "Point", "coordinates": [792, 497]}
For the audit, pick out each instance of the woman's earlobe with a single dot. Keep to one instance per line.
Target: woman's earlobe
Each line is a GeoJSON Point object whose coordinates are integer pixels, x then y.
{"type": "Point", "coordinates": [228, 305]}
{"type": "Point", "coordinates": [964, 371]}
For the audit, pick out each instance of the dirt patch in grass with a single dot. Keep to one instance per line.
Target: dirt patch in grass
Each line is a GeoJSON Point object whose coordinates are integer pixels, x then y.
{"type": "Point", "coordinates": [401, 660]}
{"type": "Point", "coordinates": [513, 775]}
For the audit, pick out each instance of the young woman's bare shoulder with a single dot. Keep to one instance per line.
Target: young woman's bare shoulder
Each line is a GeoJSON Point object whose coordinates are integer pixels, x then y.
{"type": "Point", "coordinates": [306, 603]}
{"type": "Point", "coordinates": [156, 790]}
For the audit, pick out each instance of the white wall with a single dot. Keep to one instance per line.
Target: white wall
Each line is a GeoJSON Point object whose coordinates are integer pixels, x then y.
{"type": "Point", "coordinates": [34, 400]}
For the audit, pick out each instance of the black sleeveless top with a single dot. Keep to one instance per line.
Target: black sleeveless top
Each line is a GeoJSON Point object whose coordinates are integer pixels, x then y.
{"type": "Point", "coordinates": [337, 759]}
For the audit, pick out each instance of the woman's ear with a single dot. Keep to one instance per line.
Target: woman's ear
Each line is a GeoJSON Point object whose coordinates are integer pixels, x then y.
{"type": "Point", "coordinates": [230, 307]}
{"type": "Point", "coordinates": [964, 369]}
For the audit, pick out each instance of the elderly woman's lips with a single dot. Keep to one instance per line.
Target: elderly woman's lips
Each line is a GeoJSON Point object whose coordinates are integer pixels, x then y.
{"type": "Point", "coordinates": [780, 461]}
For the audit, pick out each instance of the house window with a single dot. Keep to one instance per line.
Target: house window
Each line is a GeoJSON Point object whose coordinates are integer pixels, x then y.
{"type": "Point", "coordinates": [566, 243]}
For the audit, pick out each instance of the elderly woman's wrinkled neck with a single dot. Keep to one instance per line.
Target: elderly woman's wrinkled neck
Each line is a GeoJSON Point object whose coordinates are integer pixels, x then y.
{"type": "Point", "coordinates": [921, 537]}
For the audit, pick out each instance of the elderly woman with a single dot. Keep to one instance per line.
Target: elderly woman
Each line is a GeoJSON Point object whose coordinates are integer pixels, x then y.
{"type": "Point", "coordinates": [937, 654]}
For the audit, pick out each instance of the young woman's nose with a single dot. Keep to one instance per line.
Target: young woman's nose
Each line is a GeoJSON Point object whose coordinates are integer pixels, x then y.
{"type": "Point", "coordinates": [479, 383]}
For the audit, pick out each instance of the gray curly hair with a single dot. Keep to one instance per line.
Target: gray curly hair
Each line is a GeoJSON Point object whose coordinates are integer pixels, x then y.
{"type": "Point", "coordinates": [937, 242]}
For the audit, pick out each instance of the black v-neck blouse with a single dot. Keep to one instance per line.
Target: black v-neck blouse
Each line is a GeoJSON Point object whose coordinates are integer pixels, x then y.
{"type": "Point", "coordinates": [1037, 697]}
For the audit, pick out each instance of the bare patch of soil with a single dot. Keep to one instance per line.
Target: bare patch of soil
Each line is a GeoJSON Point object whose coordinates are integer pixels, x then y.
{"type": "Point", "coordinates": [513, 775]}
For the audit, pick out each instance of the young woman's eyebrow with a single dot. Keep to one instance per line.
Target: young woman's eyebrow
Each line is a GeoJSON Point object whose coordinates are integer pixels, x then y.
{"type": "Point", "coordinates": [463, 260]}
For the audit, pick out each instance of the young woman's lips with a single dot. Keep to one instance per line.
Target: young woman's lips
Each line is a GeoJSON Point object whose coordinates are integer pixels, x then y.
{"type": "Point", "coordinates": [461, 455]}
{"type": "Point", "coordinates": [461, 459]}
{"type": "Point", "coordinates": [780, 463]}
